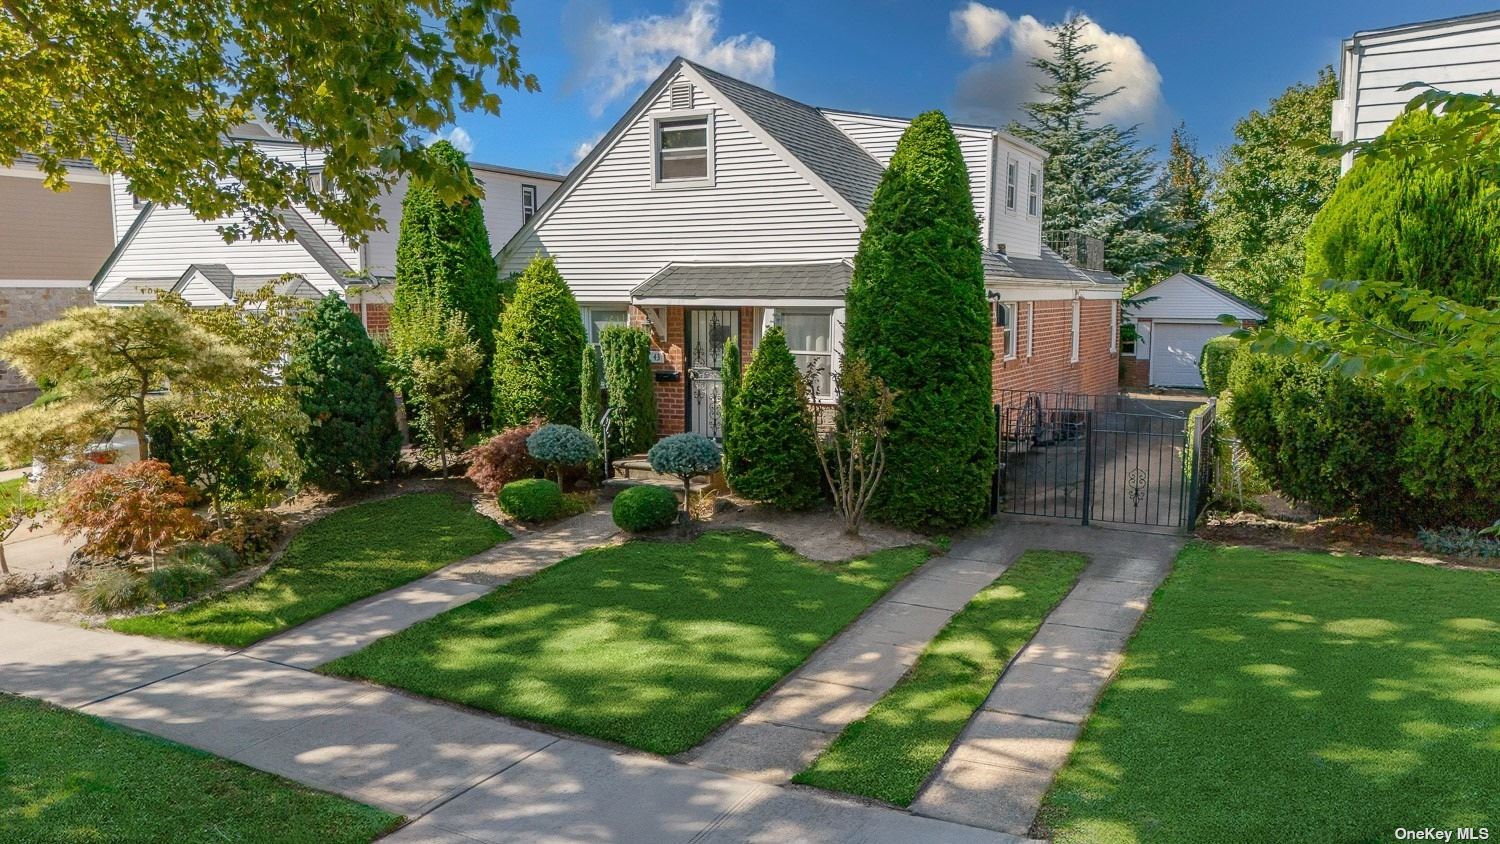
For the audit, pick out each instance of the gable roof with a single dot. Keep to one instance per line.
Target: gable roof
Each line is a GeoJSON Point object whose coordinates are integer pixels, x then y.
{"type": "Point", "coordinates": [332, 262]}
{"type": "Point", "coordinates": [785, 281]}
{"type": "Point", "coordinates": [1237, 307]}
{"type": "Point", "coordinates": [217, 274]}
{"type": "Point", "coordinates": [133, 291]}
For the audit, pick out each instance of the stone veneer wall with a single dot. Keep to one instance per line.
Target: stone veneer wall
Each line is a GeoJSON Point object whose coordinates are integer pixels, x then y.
{"type": "Point", "coordinates": [22, 307]}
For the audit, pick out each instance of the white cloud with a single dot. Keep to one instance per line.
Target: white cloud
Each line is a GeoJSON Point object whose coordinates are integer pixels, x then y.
{"type": "Point", "coordinates": [619, 57]}
{"type": "Point", "coordinates": [992, 91]}
{"type": "Point", "coordinates": [583, 148]}
{"type": "Point", "coordinates": [456, 136]}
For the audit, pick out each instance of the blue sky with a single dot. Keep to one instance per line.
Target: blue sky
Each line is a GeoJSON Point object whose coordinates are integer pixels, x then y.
{"type": "Point", "coordinates": [1206, 63]}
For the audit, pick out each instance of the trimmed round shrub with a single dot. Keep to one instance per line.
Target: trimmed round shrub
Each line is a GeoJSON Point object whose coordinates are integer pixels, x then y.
{"type": "Point", "coordinates": [685, 455]}
{"type": "Point", "coordinates": [179, 581]}
{"type": "Point", "coordinates": [772, 438]}
{"type": "Point", "coordinates": [1214, 363]}
{"type": "Point", "coordinates": [643, 508]}
{"type": "Point", "coordinates": [561, 445]}
{"type": "Point", "coordinates": [531, 500]}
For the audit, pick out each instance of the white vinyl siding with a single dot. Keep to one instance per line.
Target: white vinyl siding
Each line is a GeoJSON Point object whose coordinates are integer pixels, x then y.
{"type": "Point", "coordinates": [617, 228]}
{"type": "Point", "coordinates": [1021, 233]}
{"type": "Point", "coordinates": [1181, 298]}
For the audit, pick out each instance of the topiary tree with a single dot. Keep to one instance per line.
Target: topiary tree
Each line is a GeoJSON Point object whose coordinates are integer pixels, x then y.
{"type": "Point", "coordinates": [772, 435]}
{"type": "Point", "coordinates": [1214, 362]}
{"type": "Point", "coordinates": [539, 350]}
{"type": "Point", "coordinates": [443, 258]}
{"type": "Point", "coordinates": [632, 392]}
{"type": "Point", "coordinates": [591, 399]}
{"type": "Point", "coordinates": [733, 376]}
{"type": "Point", "coordinates": [918, 277]}
{"type": "Point", "coordinates": [685, 456]}
{"type": "Point", "coordinates": [352, 435]}
{"type": "Point", "coordinates": [561, 445]}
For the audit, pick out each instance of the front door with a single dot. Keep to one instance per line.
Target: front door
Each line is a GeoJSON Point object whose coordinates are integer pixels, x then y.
{"type": "Point", "coordinates": [707, 331]}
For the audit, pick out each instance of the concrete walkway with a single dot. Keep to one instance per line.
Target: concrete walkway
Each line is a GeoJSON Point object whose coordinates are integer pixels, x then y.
{"type": "Point", "coordinates": [1001, 766]}
{"type": "Point", "coordinates": [357, 625]}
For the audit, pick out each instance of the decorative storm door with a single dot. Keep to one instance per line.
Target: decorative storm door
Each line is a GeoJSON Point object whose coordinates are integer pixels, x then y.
{"type": "Point", "coordinates": [707, 332]}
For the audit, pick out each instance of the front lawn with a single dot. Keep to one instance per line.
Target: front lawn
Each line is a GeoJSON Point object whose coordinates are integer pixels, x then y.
{"type": "Point", "coordinates": [650, 644]}
{"type": "Point", "coordinates": [1290, 696]}
{"type": "Point", "coordinates": [65, 776]}
{"type": "Point", "coordinates": [351, 554]}
{"type": "Point", "coordinates": [889, 753]}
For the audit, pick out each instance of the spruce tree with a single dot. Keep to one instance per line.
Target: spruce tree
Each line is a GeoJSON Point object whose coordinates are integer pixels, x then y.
{"type": "Point", "coordinates": [1098, 176]}
{"type": "Point", "coordinates": [773, 431]}
{"type": "Point", "coordinates": [539, 350]}
{"type": "Point", "coordinates": [443, 256]}
{"type": "Point", "coordinates": [917, 314]}
{"type": "Point", "coordinates": [336, 370]}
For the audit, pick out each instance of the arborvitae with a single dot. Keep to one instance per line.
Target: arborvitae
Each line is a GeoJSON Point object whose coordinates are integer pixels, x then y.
{"type": "Point", "coordinates": [772, 433]}
{"type": "Point", "coordinates": [917, 313]}
{"type": "Point", "coordinates": [632, 391]}
{"type": "Point", "coordinates": [352, 435]}
{"type": "Point", "coordinates": [591, 401]}
{"type": "Point", "coordinates": [733, 375]}
{"type": "Point", "coordinates": [539, 350]}
{"type": "Point", "coordinates": [444, 256]}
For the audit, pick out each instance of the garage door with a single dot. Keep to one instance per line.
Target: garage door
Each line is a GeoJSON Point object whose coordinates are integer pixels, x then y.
{"type": "Point", "coordinates": [1175, 347]}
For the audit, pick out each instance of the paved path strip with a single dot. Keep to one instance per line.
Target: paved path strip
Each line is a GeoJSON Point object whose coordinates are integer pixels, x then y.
{"type": "Point", "coordinates": [357, 625]}
{"type": "Point", "coordinates": [1002, 764]}
{"type": "Point", "coordinates": [460, 776]}
{"type": "Point", "coordinates": [783, 733]}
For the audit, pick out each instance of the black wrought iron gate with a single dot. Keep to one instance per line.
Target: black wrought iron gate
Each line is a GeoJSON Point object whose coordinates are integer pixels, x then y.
{"type": "Point", "coordinates": [1098, 458]}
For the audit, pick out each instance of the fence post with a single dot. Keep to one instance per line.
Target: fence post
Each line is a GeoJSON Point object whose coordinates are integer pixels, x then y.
{"type": "Point", "coordinates": [1088, 464]}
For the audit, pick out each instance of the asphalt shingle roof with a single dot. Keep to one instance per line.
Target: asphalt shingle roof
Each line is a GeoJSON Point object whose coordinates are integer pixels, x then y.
{"type": "Point", "coordinates": [1050, 266]}
{"type": "Point", "coordinates": [316, 246]}
{"type": "Point", "coordinates": [136, 290]}
{"type": "Point", "coordinates": [70, 163]}
{"type": "Point", "coordinates": [217, 274]}
{"type": "Point", "coordinates": [824, 280]}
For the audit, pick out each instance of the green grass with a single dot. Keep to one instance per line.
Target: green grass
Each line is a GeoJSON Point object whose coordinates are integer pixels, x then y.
{"type": "Point", "coordinates": [650, 644]}
{"type": "Point", "coordinates": [1295, 697]}
{"type": "Point", "coordinates": [888, 753]}
{"type": "Point", "coordinates": [69, 777]}
{"type": "Point", "coordinates": [14, 493]}
{"type": "Point", "coordinates": [348, 555]}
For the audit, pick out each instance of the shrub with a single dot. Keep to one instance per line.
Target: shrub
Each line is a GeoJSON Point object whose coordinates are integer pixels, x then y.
{"type": "Point", "coordinates": [632, 392]}
{"type": "Point", "coordinates": [685, 456]}
{"type": "Point", "coordinates": [561, 445]}
{"type": "Point", "coordinates": [539, 350]}
{"type": "Point", "coordinates": [591, 400]}
{"type": "Point", "coordinates": [219, 557]}
{"type": "Point", "coordinates": [352, 435]}
{"type": "Point", "coordinates": [176, 582]}
{"type": "Point", "coordinates": [531, 499]}
{"type": "Point", "coordinates": [503, 458]}
{"type": "Point", "coordinates": [1464, 542]}
{"type": "Point", "coordinates": [140, 509]}
{"type": "Point", "coordinates": [733, 375]}
{"type": "Point", "coordinates": [438, 362]}
{"type": "Point", "coordinates": [251, 536]}
{"type": "Point", "coordinates": [643, 508]}
{"type": "Point", "coordinates": [918, 276]}
{"type": "Point", "coordinates": [113, 589]}
{"type": "Point", "coordinates": [772, 436]}
{"type": "Point", "coordinates": [1214, 363]}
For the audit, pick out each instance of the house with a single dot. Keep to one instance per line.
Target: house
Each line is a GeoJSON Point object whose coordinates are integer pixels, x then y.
{"type": "Point", "coordinates": [167, 248]}
{"type": "Point", "coordinates": [1173, 320]}
{"type": "Point", "coordinates": [1455, 54]}
{"type": "Point", "coordinates": [50, 245]}
{"type": "Point", "coordinates": [714, 208]}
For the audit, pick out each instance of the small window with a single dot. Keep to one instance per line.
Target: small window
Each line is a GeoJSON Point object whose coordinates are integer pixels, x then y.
{"type": "Point", "coordinates": [1005, 315]}
{"type": "Point", "coordinates": [809, 336]}
{"type": "Point", "coordinates": [1030, 327]}
{"type": "Point", "coordinates": [597, 317]}
{"type": "Point", "coordinates": [682, 150]}
{"type": "Point", "coordinates": [1114, 326]}
{"type": "Point", "coordinates": [315, 180]}
{"type": "Point", "coordinates": [1077, 313]}
{"type": "Point", "coordinates": [528, 203]}
{"type": "Point", "coordinates": [1034, 193]}
{"type": "Point", "coordinates": [1127, 339]}
{"type": "Point", "coordinates": [1011, 170]}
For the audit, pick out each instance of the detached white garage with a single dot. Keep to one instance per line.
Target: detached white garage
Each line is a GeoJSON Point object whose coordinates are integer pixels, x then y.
{"type": "Point", "coordinates": [1174, 319]}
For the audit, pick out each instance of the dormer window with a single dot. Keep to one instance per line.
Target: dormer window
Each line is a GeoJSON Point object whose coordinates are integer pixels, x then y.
{"type": "Point", "coordinates": [1034, 193]}
{"type": "Point", "coordinates": [1012, 170]}
{"type": "Point", "coordinates": [684, 151]}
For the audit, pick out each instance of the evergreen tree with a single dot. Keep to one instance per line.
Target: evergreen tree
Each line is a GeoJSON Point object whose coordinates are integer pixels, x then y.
{"type": "Point", "coordinates": [917, 314]}
{"type": "Point", "coordinates": [443, 256]}
{"type": "Point", "coordinates": [539, 350]}
{"type": "Point", "coordinates": [591, 401]}
{"type": "Point", "coordinates": [632, 392]}
{"type": "Point", "coordinates": [336, 368]}
{"type": "Point", "coordinates": [773, 432]}
{"type": "Point", "coordinates": [733, 375]}
{"type": "Point", "coordinates": [1268, 187]}
{"type": "Point", "coordinates": [1183, 193]}
{"type": "Point", "coordinates": [1098, 176]}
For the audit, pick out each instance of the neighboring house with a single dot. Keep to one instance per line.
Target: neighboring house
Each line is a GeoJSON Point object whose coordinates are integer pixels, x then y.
{"type": "Point", "coordinates": [714, 208]}
{"type": "Point", "coordinates": [167, 248]}
{"type": "Point", "coordinates": [1175, 318]}
{"type": "Point", "coordinates": [50, 245]}
{"type": "Point", "coordinates": [1455, 54]}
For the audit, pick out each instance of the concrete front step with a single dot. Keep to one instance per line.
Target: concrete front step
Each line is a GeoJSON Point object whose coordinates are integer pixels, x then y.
{"type": "Point", "coordinates": [638, 468]}
{"type": "Point", "coordinates": [614, 486]}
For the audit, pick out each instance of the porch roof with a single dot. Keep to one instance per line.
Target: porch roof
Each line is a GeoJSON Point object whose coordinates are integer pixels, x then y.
{"type": "Point", "coordinates": [687, 283]}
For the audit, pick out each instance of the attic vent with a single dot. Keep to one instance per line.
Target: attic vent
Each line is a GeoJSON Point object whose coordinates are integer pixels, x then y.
{"type": "Point", "coordinates": [682, 95]}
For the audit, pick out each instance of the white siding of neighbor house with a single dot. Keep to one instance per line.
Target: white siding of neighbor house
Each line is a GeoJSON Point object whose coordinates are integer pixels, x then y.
{"type": "Point", "coordinates": [502, 213]}
{"type": "Point", "coordinates": [200, 293]}
{"type": "Point", "coordinates": [1461, 54]}
{"type": "Point", "coordinates": [1180, 299]}
{"type": "Point", "coordinates": [615, 229]}
{"type": "Point", "coordinates": [879, 136]}
{"type": "Point", "coordinates": [1019, 231]}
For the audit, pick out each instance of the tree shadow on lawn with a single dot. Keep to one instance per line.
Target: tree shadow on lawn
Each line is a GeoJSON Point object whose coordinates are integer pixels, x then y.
{"type": "Point", "coordinates": [649, 644]}
{"type": "Point", "coordinates": [1294, 697]}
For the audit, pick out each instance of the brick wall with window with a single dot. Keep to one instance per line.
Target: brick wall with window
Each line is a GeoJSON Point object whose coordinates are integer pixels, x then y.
{"type": "Point", "coordinates": [1044, 346]}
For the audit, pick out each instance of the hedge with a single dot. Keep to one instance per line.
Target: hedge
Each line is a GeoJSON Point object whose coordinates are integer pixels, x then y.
{"type": "Point", "coordinates": [1214, 363]}
{"type": "Point", "coordinates": [632, 392]}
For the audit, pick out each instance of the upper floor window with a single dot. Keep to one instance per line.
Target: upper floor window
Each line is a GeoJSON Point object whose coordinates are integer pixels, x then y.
{"type": "Point", "coordinates": [684, 150]}
{"type": "Point", "coordinates": [528, 203]}
{"type": "Point", "coordinates": [315, 180]}
{"type": "Point", "coordinates": [1011, 172]}
{"type": "Point", "coordinates": [1034, 193]}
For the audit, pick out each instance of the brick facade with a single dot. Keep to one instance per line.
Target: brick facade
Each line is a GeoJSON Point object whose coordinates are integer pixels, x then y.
{"type": "Point", "coordinates": [1043, 359]}
{"type": "Point", "coordinates": [22, 307]}
{"type": "Point", "coordinates": [376, 317]}
{"type": "Point", "coordinates": [671, 396]}
{"type": "Point", "coordinates": [1135, 372]}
